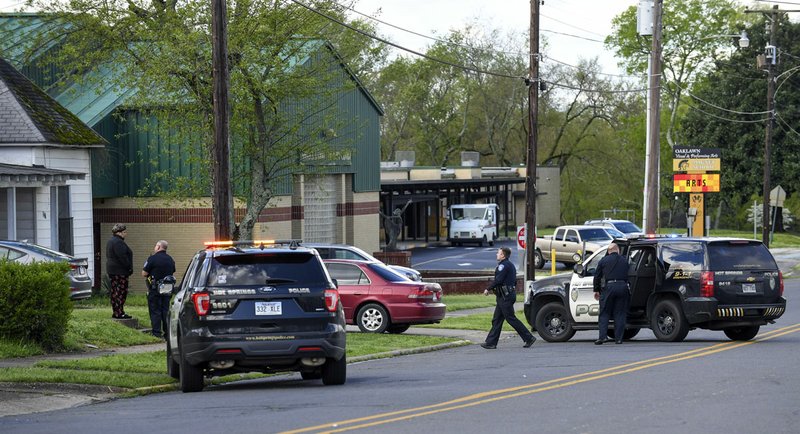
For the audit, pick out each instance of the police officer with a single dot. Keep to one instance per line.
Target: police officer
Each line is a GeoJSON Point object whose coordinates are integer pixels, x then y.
{"type": "Point", "coordinates": [613, 294]}
{"type": "Point", "coordinates": [158, 266]}
{"type": "Point", "coordinates": [504, 287]}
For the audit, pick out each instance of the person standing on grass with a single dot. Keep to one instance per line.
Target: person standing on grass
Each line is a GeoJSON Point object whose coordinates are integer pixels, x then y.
{"type": "Point", "coordinates": [119, 266]}
{"type": "Point", "coordinates": [505, 288]}
{"type": "Point", "coordinates": [157, 268]}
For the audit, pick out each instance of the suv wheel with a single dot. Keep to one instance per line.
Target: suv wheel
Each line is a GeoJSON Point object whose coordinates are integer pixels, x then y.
{"type": "Point", "coordinates": [397, 328]}
{"type": "Point", "coordinates": [668, 322]}
{"type": "Point", "coordinates": [173, 369]}
{"type": "Point", "coordinates": [553, 324]}
{"type": "Point", "coordinates": [334, 372]}
{"type": "Point", "coordinates": [744, 333]}
{"type": "Point", "coordinates": [538, 259]}
{"type": "Point", "coordinates": [372, 318]}
{"type": "Point", "coordinates": [191, 377]}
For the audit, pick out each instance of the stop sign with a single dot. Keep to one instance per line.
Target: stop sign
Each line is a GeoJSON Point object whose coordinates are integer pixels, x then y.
{"type": "Point", "coordinates": [521, 237]}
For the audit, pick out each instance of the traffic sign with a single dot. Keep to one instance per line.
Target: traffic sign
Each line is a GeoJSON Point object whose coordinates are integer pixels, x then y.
{"type": "Point", "coordinates": [521, 237]}
{"type": "Point", "coordinates": [777, 196]}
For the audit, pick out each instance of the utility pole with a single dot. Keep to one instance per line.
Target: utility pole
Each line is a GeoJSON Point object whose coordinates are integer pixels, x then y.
{"type": "Point", "coordinates": [765, 220]}
{"type": "Point", "coordinates": [222, 197]}
{"type": "Point", "coordinates": [653, 167]}
{"type": "Point", "coordinates": [533, 110]}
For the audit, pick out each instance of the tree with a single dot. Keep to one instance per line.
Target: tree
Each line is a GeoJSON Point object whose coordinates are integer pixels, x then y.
{"type": "Point", "coordinates": [729, 112]}
{"type": "Point", "coordinates": [284, 81]}
{"type": "Point", "coordinates": [691, 41]}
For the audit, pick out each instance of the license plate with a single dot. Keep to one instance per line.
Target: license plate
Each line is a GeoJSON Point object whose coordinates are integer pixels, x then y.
{"type": "Point", "coordinates": [269, 308]}
{"type": "Point", "coordinates": [749, 288]}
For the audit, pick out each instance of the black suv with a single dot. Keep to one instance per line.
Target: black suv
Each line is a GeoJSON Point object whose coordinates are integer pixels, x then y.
{"type": "Point", "coordinates": [677, 284]}
{"type": "Point", "coordinates": [248, 306]}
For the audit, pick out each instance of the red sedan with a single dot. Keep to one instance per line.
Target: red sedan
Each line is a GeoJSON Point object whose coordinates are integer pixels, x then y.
{"type": "Point", "coordinates": [377, 299]}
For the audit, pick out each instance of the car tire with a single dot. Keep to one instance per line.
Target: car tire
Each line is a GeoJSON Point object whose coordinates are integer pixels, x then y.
{"type": "Point", "coordinates": [173, 369]}
{"type": "Point", "coordinates": [372, 318]}
{"type": "Point", "coordinates": [311, 375]}
{"type": "Point", "coordinates": [744, 333]}
{"type": "Point", "coordinates": [538, 259]}
{"type": "Point", "coordinates": [191, 377]}
{"type": "Point", "coordinates": [396, 329]}
{"type": "Point", "coordinates": [667, 321]}
{"type": "Point", "coordinates": [334, 372]}
{"type": "Point", "coordinates": [553, 323]}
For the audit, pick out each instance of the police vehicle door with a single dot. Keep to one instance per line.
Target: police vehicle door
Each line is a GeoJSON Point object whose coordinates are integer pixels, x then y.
{"type": "Point", "coordinates": [582, 305]}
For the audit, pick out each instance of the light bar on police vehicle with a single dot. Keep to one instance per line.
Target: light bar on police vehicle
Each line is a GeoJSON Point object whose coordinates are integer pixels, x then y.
{"type": "Point", "coordinates": [254, 243]}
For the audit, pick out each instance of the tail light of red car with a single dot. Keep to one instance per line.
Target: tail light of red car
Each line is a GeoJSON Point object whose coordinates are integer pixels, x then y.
{"type": "Point", "coordinates": [201, 302]}
{"type": "Point", "coordinates": [430, 291]}
{"type": "Point", "coordinates": [707, 284]}
{"type": "Point", "coordinates": [331, 299]}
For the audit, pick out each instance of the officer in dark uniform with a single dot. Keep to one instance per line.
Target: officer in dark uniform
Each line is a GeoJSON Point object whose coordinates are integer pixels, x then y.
{"type": "Point", "coordinates": [158, 266]}
{"type": "Point", "coordinates": [504, 287]}
{"type": "Point", "coordinates": [611, 288]}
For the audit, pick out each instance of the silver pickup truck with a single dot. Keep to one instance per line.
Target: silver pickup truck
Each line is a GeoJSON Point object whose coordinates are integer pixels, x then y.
{"type": "Point", "coordinates": [570, 244]}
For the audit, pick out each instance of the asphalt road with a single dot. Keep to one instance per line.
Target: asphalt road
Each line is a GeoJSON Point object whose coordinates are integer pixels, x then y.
{"type": "Point", "coordinates": [705, 384]}
{"type": "Point", "coordinates": [469, 257]}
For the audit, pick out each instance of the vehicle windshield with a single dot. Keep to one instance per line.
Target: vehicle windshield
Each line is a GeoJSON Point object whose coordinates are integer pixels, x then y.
{"type": "Point", "coordinates": [468, 213]}
{"type": "Point", "coordinates": [627, 227]}
{"type": "Point", "coordinates": [615, 233]}
{"type": "Point", "coordinates": [387, 273]}
{"type": "Point", "coordinates": [598, 234]}
{"type": "Point", "coordinates": [740, 255]}
{"type": "Point", "coordinates": [266, 268]}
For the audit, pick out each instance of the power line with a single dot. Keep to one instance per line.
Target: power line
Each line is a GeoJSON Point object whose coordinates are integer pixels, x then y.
{"type": "Point", "coordinates": [736, 112]}
{"type": "Point", "coordinates": [574, 27]}
{"type": "Point", "coordinates": [726, 119]}
{"type": "Point", "coordinates": [398, 46]}
{"type": "Point", "coordinates": [786, 124]}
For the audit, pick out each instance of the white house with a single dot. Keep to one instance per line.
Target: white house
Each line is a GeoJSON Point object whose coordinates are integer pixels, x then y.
{"type": "Point", "coordinates": [45, 169]}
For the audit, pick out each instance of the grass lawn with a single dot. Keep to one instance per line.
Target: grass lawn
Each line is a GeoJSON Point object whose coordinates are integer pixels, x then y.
{"type": "Point", "coordinates": [149, 369]}
{"type": "Point", "coordinates": [478, 321]}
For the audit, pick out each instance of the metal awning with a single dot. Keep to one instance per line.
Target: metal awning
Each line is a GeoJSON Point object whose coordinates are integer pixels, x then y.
{"type": "Point", "coordinates": [12, 175]}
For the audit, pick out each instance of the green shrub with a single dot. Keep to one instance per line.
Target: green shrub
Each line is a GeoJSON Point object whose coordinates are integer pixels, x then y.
{"type": "Point", "coordinates": [34, 302]}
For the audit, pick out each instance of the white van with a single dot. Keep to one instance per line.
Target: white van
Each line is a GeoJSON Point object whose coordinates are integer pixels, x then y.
{"type": "Point", "coordinates": [472, 224]}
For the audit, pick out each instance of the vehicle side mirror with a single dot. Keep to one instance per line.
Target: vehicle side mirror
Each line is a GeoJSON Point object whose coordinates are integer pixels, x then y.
{"type": "Point", "coordinates": [579, 270]}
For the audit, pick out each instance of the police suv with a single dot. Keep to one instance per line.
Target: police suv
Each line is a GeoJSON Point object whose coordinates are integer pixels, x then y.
{"type": "Point", "coordinates": [256, 306]}
{"type": "Point", "coordinates": [676, 284]}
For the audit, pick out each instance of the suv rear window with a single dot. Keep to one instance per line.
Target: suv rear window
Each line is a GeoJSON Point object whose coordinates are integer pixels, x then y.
{"type": "Point", "coordinates": [740, 255]}
{"type": "Point", "coordinates": [266, 268]}
{"type": "Point", "coordinates": [683, 256]}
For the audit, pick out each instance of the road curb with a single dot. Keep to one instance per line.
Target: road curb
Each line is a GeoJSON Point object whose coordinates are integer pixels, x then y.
{"type": "Point", "coordinates": [418, 350]}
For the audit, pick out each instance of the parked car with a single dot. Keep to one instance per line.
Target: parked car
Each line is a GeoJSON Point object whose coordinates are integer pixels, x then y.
{"type": "Point", "coordinates": [80, 284]}
{"type": "Point", "coordinates": [626, 227]}
{"type": "Point", "coordinates": [344, 251]}
{"type": "Point", "coordinates": [248, 306]}
{"type": "Point", "coordinates": [571, 243]}
{"type": "Point", "coordinates": [677, 284]}
{"type": "Point", "coordinates": [378, 299]}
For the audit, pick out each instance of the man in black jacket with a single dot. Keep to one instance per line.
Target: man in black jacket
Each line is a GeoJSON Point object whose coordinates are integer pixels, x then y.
{"type": "Point", "coordinates": [119, 266]}
{"type": "Point", "coordinates": [504, 286]}
{"type": "Point", "coordinates": [611, 288]}
{"type": "Point", "coordinates": [158, 266]}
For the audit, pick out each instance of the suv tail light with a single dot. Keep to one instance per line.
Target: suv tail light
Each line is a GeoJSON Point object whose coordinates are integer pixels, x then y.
{"type": "Point", "coordinates": [331, 299]}
{"type": "Point", "coordinates": [201, 302]}
{"type": "Point", "coordinates": [780, 283]}
{"type": "Point", "coordinates": [707, 284]}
